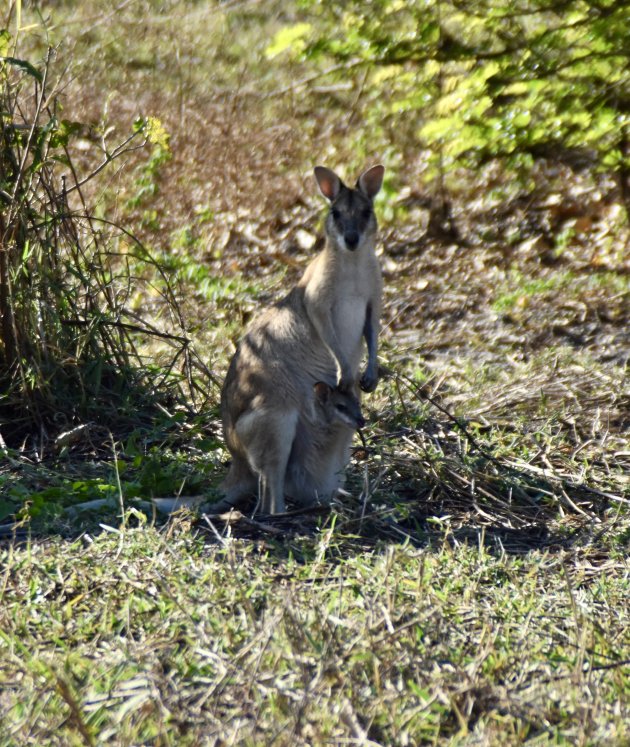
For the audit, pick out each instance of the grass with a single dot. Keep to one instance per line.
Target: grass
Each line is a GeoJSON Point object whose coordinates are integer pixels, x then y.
{"type": "Point", "coordinates": [310, 642]}
{"type": "Point", "coordinates": [471, 587]}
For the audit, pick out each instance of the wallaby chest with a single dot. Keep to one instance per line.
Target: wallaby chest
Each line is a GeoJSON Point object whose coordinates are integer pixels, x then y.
{"type": "Point", "coordinates": [356, 281]}
{"type": "Point", "coordinates": [348, 312]}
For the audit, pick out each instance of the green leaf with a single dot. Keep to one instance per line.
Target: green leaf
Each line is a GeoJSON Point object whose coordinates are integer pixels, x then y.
{"type": "Point", "coordinates": [62, 132]}
{"type": "Point", "coordinates": [24, 65]}
{"type": "Point", "coordinates": [5, 42]}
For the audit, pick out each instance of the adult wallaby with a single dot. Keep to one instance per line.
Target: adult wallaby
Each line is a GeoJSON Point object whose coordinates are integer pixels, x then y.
{"type": "Point", "coordinates": [312, 335]}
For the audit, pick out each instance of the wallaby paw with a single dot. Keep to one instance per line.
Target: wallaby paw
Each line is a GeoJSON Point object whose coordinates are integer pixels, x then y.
{"type": "Point", "coordinates": [368, 383]}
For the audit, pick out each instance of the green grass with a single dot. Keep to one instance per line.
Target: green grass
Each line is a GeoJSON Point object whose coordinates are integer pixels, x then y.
{"type": "Point", "coordinates": [525, 289]}
{"type": "Point", "coordinates": [161, 636]}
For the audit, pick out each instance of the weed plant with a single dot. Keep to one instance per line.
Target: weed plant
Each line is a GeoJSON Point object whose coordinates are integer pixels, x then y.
{"type": "Point", "coordinates": [69, 281]}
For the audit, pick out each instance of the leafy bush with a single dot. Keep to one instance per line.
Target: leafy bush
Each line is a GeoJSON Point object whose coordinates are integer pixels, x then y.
{"type": "Point", "coordinates": [67, 330]}
{"type": "Point", "coordinates": [485, 80]}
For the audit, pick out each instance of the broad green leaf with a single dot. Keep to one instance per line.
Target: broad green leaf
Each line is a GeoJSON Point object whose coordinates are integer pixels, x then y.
{"type": "Point", "coordinates": [24, 65]}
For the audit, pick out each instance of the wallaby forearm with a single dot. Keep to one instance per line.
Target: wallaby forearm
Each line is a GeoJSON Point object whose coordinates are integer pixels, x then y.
{"type": "Point", "coordinates": [370, 333]}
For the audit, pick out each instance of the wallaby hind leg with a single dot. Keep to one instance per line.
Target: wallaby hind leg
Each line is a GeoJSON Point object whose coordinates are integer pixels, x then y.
{"type": "Point", "coordinates": [240, 484]}
{"type": "Point", "coordinates": [267, 438]}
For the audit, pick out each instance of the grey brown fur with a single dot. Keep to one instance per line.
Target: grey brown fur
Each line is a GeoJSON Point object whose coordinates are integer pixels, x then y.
{"type": "Point", "coordinates": [279, 433]}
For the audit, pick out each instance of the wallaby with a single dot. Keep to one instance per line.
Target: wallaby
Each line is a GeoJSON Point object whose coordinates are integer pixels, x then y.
{"type": "Point", "coordinates": [318, 454]}
{"type": "Point", "coordinates": [314, 451]}
{"type": "Point", "coordinates": [312, 335]}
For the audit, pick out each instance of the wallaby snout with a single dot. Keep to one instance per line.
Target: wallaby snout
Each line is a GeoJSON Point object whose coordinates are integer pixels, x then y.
{"type": "Point", "coordinates": [359, 421]}
{"type": "Point", "coordinates": [352, 239]}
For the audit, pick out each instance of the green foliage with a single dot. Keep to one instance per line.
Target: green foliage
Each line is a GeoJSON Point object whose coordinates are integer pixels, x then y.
{"type": "Point", "coordinates": [67, 347]}
{"type": "Point", "coordinates": [483, 80]}
{"type": "Point", "coordinates": [147, 184]}
{"type": "Point", "coordinates": [290, 38]}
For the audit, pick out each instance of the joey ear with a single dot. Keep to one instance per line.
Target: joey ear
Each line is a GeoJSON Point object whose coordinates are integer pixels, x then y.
{"type": "Point", "coordinates": [322, 391]}
{"type": "Point", "coordinates": [371, 180]}
{"type": "Point", "coordinates": [329, 183]}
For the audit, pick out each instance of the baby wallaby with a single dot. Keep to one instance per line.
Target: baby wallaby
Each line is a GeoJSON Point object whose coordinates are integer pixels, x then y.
{"type": "Point", "coordinates": [321, 448]}
{"type": "Point", "coordinates": [338, 406]}
{"type": "Point", "coordinates": [314, 447]}
{"type": "Point", "coordinates": [314, 335]}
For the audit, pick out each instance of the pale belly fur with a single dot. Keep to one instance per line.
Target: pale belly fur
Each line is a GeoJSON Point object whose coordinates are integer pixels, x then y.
{"type": "Point", "coordinates": [349, 321]}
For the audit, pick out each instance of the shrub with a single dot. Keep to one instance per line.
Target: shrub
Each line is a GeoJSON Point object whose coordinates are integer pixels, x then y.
{"type": "Point", "coordinates": [68, 332]}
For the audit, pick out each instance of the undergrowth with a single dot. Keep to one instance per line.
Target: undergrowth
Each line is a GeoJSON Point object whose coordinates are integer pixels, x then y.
{"type": "Point", "coordinates": [71, 336]}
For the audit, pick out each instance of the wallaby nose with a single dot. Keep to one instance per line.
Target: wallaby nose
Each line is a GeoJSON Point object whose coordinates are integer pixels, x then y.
{"type": "Point", "coordinates": [360, 421]}
{"type": "Point", "coordinates": [351, 238]}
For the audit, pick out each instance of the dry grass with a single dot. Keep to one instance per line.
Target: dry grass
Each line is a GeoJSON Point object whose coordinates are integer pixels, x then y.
{"type": "Point", "coordinates": [304, 643]}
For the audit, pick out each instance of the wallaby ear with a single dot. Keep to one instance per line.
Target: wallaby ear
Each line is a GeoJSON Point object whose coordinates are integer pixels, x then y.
{"type": "Point", "coordinates": [322, 391]}
{"type": "Point", "coordinates": [329, 183]}
{"type": "Point", "coordinates": [371, 180]}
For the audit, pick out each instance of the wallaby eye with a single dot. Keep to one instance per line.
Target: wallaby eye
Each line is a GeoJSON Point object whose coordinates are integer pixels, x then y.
{"type": "Point", "coordinates": [335, 213]}
{"type": "Point", "coordinates": [366, 213]}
